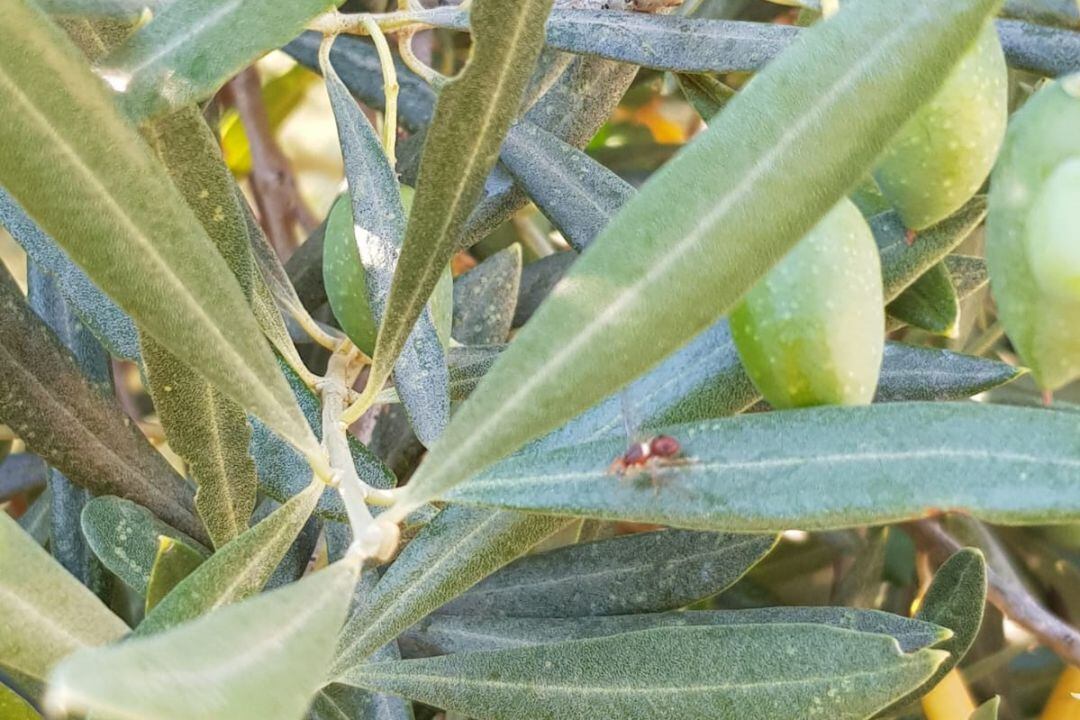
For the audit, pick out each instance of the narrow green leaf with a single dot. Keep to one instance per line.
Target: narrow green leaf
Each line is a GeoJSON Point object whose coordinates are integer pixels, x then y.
{"type": "Point", "coordinates": [661, 41]}
{"type": "Point", "coordinates": [955, 600]}
{"type": "Point", "coordinates": [78, 187]}
{"type": "Point", "coordinates": [378, 222]}
{"type": "Point", "coordinates": [66, 541]}
{"type": "Point", "coordinates": [750, 672]}
{"type": "Point", "coordinates": [45, 614]}
{"type": "Point", "coordinates": [112, 327]}
{"type": "Point", "coordinates": [64, 418]}
{"type": "Point", "coordinates": [969, 274]}
{"type": "Point", "coordinates": [575, 192]}
{"type": "Point", "coordinates": [191, 48]}
{"type": "Point", "coordinates": [921, 373]}
{"type": "Point", "coordinates": [537, 280]}
{"type": "Point", "coordinates": [707, 94]}
{"type": "Point", "coordinates": [644, 572]}
{"type": "Point", "coordinates": [472, 117]}
{"type": "Point", "coordinates": [297, 558]}
{"type": "Point", "coordinates": [988, 710]}
{"type": "Point", "coordinates": [203, 426]}
{"type": "Point", "coordinates": [124, 536]}
{"type": "Point", "coordinates": [485, 298]}
{"type": "Point", "coordinates": [237, 570]}
{"type": "Point", "coordinates": [453, 552]}
{"type": "Point", "coordinates": [262, 658]}
{"type": "Point", "coordinates": [903, 262]}
{"type": "Point", "coordinates": [283, 473]}
{"type": "Point", "coordinates": [1039, 49]}
{"type": "Point", "coordinates": [345, 702]}
{"type": "Point", "coordinates": [696, 45]}
{"type": "Point", "coordinates": [357, 62]}
{"type": "Point", "coordinates": [174, 562]}
{"type": "Point", "coordinates": [930, 303]}
{"type": "Point", "coordinates": [821, 468]}
{"type": "Point", "coordinates": [211, 432]}
{"type": "Point", "coordinates": [703, 229]}
{"type": "Point", "coordinates": [13, 707]}
{"type": "Point", "coordinates": [441, 634]}
{"type": "Point", "coordinates": [1051, 12]}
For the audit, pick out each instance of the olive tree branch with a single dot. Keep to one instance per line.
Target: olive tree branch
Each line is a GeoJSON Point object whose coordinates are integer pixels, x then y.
{"type": "Point", "coordinates": [272, 180]}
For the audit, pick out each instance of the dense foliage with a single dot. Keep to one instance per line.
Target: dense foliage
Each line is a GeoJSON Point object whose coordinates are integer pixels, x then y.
{"type": "Point", "coordinates": [651, 359]}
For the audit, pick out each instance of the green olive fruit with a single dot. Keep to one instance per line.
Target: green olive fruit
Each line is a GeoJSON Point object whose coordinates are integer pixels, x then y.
{"type": "Point", "coordinates": [1033, 233]}
{"type": "Point", "coordinates": [346, 287]}
{"type": "Point", "coordinates": [812, 331]}
{"type": "Point", "coordinates": [945, 152]}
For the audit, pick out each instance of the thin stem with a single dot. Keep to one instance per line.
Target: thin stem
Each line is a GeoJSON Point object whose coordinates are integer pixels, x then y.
{"type": "Point", "coordinates": [982, 344]}
{"type": "Point", "coordinates": [1010, 598]}
{"type": "Point", "coordinates": [315, 331]}
{"type": "Point", "coordinates": [335, 23]}
{"type": "Point", "coordinates": [362, 403]}
{"type": "Point", "coordinates": [390, 87]}
{"type": "Point", "coordinates": [272, 181]}
{"type": "Point", "coordinates": [432, 77]}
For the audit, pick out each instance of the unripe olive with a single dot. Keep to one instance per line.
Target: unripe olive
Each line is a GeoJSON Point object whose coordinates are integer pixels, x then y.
{"type": "Point", "coordinates": [1033, 233]}
{"type": "Point", "coordinates": [944, 153]}
{"type": "Point", "coordinates": [812, 331]}
{"type": "Point", "coordinates": [346, 286]}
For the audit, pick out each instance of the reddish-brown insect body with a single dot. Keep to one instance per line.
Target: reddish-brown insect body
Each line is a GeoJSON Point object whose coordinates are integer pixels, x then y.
{"type": "Point", "coordinates": [640, 454]}
{"type": "Point", "coordinates": [664, 446]}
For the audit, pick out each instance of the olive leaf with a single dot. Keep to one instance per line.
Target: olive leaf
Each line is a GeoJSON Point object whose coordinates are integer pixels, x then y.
{"type": "Point", "coordinates": [821, 468]}
{"type": "Point", "coordinates": [201, 424]}
{"type": "Point", "coordinates": [930, 303]}
{"type": "Point", "coordinates": [66, 616]}
{"type": "Point", "coordinates": [442, 634]}
{"type": "Point", "coordinates": [644, 572]}
{"type": "Point", "coordinates": [261, 658]}
{"type": "Point", "coordinates": [750, 672]}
